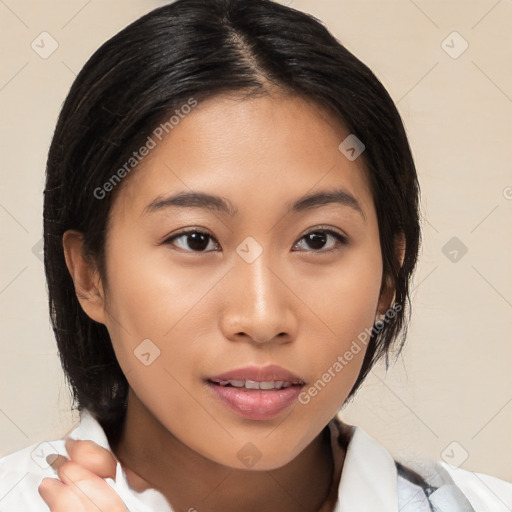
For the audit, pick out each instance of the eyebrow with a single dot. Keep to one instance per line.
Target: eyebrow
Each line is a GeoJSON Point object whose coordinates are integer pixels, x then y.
{"type": "Point", "coordinates": [191, 199]}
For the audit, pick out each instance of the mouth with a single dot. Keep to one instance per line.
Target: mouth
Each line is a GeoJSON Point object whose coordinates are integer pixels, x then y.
{"type": "Point", "coordinates": [257, 393]}
{"type": "Point", "coordinates": [254, 384]}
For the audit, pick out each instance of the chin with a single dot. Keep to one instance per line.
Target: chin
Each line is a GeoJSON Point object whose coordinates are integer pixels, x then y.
{"type": "Point", "coordinates": [258, 462]}
{"type": "Point", "coordinates": [255, 456]}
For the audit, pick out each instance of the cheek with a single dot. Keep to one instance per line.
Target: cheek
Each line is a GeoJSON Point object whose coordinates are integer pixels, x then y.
{"type": "Point", "coordinates": [345, 296]}
{"type": "Point", "coordinates": [150, 293]}
{"type": "Point", "coordinates": [346, 304]}
{"type": "Point", "coordinates": [153, 317]}
{"type": "Point", "coordinates": [146, 327]}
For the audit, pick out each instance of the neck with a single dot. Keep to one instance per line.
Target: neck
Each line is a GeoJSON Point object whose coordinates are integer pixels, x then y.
{"type": "Point", "coordinates": [189, 481]}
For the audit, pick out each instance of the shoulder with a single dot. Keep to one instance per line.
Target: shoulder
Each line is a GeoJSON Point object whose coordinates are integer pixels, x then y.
{"type": "Point", "coordinates": [416, 483]}
{"type": "Point", "coordinates": [452, 488]}
{"type": "Point", "coordinates": [485, 492]}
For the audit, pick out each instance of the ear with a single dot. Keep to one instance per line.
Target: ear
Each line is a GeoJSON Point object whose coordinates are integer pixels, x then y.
{"type": "Point", "coordinates": [388, 289]}
{"type": "Point", "coordinates": [88, 286]}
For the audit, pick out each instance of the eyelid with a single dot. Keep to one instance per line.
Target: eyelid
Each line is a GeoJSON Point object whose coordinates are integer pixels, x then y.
{"type": "Point", "coordinates": [341, 239]}
{"type": "Point", "coordinates": [187, 231]}
{"type": "Point", "coordinates": [329, 230]}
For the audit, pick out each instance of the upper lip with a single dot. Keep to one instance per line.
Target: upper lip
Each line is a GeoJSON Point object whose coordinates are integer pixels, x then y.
{"type": "Point", "coordinates": [259, 374]}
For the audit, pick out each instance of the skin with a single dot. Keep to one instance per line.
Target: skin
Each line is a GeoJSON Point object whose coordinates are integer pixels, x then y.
{"type": "Point", "coordinates": [208, 312]}
{"type": "Point", "coordinates": [80, 486]}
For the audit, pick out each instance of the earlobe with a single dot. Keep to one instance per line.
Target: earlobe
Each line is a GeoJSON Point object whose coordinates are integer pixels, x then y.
{"type": "Point", "coordinates": [88, 286]}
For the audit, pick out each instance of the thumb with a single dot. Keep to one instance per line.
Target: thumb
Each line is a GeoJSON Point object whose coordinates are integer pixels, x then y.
{"type": "Point", "coordinates": [89, 489]}
{"type": "Point", "coordinates": [92, 457]}
{"type": "Point", "coordinates": [79, 490]}
{"type": "Point", "coordinates": [101, 462]}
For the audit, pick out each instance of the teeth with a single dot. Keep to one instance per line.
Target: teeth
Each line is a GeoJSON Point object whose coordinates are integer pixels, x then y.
{"type": "Point", "coordinates": [237, 383]}
{"type": "Point", "coordinates": [253, 384]}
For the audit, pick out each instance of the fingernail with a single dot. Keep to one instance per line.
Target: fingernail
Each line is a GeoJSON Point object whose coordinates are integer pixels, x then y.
{"type": "Point", "coordinates": [50, 459]}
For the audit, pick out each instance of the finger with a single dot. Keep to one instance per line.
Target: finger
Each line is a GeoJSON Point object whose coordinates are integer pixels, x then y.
{"type": "Point", "coordinates": [92, 492]}
{"type": "Point", "coordinates": [100, 461]}
{"type": "Point", "coordinates": [56, 461]}
{"type": "Point", "coordinates": [66, 498]}
{"type": "Point", "coordinates": [57, 495]}
{"type": "Point", "coordinates": [72, 473]}
{"type": "Point", "coordinates": [93, 457]}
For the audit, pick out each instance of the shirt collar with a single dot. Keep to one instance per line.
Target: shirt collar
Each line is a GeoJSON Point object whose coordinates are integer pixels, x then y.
{"type": "Point", "coordinates": [368, 480]}
{"type": "Point", "coordinates": [364, 477]}
{"type": "Point", "coordinates": [149, 500]}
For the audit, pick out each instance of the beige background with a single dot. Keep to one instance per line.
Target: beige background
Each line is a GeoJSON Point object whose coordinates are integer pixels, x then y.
{"type": "Point", "coordinates": [454, 381]}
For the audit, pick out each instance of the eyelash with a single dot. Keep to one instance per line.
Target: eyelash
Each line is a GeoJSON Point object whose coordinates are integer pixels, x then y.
{"type": "Point", "coordinates": [342, 240]}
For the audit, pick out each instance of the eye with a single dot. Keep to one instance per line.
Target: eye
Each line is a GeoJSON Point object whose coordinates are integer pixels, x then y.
{"type": "Point", "coordinates": [196, 240]}
{"type": "Point", "coordinates": [318, 238]}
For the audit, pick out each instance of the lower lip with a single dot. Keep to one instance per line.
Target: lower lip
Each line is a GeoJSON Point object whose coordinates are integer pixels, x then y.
{"type": "Point", "coordinates": [256, 404]}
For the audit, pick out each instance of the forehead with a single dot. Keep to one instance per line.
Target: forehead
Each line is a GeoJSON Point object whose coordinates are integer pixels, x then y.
{"type": "Point", "coordinates": [258, 153]}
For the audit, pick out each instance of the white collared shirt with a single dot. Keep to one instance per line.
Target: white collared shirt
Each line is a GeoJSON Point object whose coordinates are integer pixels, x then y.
{"type": "Point", "coordinates": [369, 480]}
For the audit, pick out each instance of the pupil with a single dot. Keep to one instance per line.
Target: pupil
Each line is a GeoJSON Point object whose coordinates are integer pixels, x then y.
{"type": "Point", "coordinates": [316, 240]}
{"type": "Point", "coordinates": [199, 241]}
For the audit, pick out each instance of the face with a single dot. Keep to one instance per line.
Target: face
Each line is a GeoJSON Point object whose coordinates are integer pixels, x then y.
{"type": "Point", "coordinates": [269, 280]}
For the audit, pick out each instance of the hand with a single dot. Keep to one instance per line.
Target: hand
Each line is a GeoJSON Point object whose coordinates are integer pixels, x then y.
{"type": "Point", "coordinates": [82, 487]}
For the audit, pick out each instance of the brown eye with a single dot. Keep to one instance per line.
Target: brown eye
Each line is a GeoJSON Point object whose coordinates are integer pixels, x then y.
{"type": "Point", "coordinates": [193, 240]}
{"type": "Point", "coordinates": [316, 240]}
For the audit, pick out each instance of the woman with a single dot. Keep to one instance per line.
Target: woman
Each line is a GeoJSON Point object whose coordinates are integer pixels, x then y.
{"type": "Point", "coordinates": [231, 225]}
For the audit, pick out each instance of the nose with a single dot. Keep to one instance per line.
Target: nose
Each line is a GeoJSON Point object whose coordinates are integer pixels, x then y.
{"type": "Point", "coordinates": [258, 306]}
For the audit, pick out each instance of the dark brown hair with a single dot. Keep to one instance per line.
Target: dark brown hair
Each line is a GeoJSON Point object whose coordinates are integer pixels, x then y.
{"type": "Point", "coordinates": [199, 49]}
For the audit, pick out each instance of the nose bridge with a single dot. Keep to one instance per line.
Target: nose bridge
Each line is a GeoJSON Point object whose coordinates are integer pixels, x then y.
{"type": "Point", "coordinates": [260, 285]}
{"type": "Point", "coordinates": [258, 306]}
